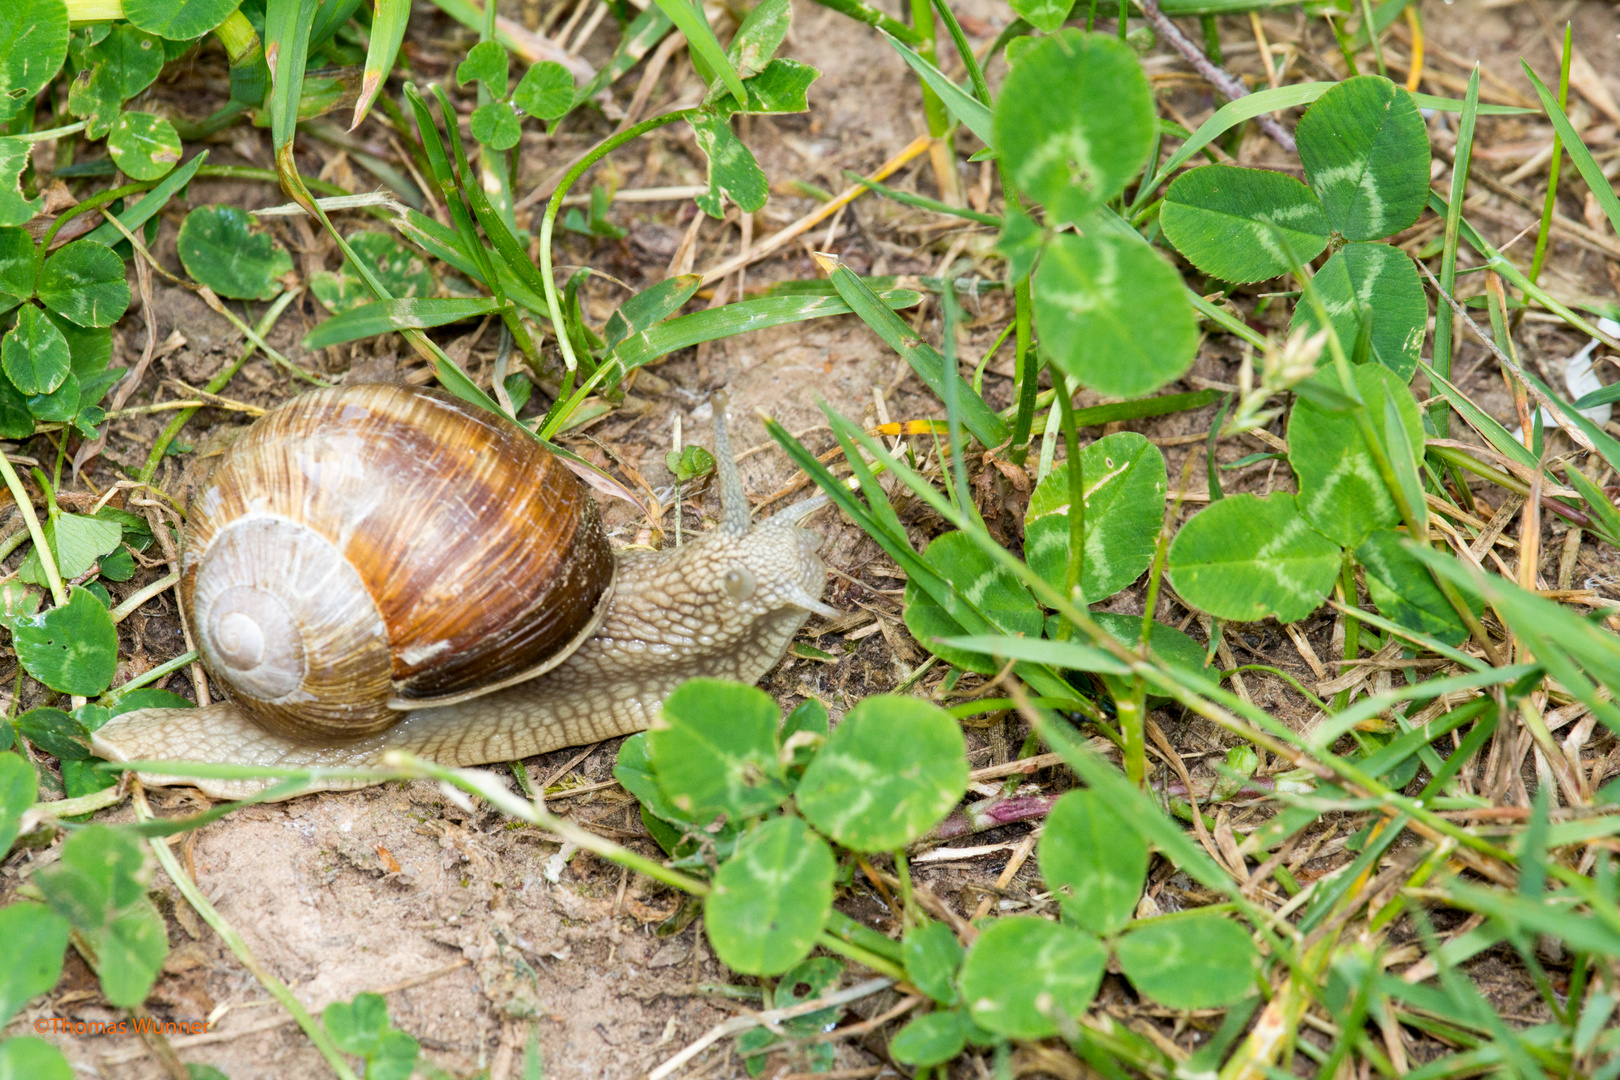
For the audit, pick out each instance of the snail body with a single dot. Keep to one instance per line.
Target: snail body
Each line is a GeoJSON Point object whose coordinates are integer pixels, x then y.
{"type": "Point", "coordinates": [375, 567]}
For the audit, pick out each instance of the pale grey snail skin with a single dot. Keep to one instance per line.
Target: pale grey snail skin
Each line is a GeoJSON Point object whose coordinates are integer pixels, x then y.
{"type": "Point", "coordinates": [726, 604]}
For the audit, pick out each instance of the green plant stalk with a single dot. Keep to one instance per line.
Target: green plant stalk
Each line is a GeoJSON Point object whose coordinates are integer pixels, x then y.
{"type": "Point", "coordinates": [964, 50]}
{"type": "Point", "coordinates": [1452, 456]}
{"type": "Point", "coordinates": [315, 1031]}
{"type": "Point", "coordinates": [241, 41]}
{"type": "Point", "coordinates": [864, 13]}
{"type": "Point", "coordinates": [1026, 362]}
{"type": "Point", "coordinates": [495, 227]}
{"type": "Point", "coordinates": [287, 25]}
{"type": "Point", "coordinates": [152, 676]}
{"type": "Point", "coordinates": [84, 804]}
{"type": "Point", "coordinates": [1551, 202]}
{"type": "Point", "coordinates": [266, 323]}
{"type": "Point", "coordinates": [493, 164]}
{"type": "Point", "coordinates": [1440, 412]}
{"type": "Point", "coordinates": [47, 559]}
{"type": "Point", "coordinates": [1225, 320]}
{"type": "Point", "coordinates": [1352, 625]}
{"type": "Point", "coordinates": [96, 201]}
{"type": "Point", "coordinates": [14, 541]}
{"type": "Point", "coordinates": [953, 407]}
{"type": "Point", "coordinates": [984, 362]}
{"type": "Point", "coordinates": [908, 901]}
{"type": "Point", "coordinates": [485, 786]}
{"type": "Point", "coordinates": [387, 32]}
{"type": "Point", "coordinates": [861, 956]}
{"type": "Point", "coordinates": [1075, 569]}
{"type": "Point", "coordinates": [1279, 673]}
{"type": "Point", "coordinates": [922, 202]}
{"type": "Point", "coordinates": [554, 206]}
{"type": "Point", "coordinates": [1343, 39]}
{"type": "Point", "coordinates": [1372, 36]}
{"type": "Point", "coordinates": [922, 21]}
{"type": "Point", "coordinates": [1131, 710]}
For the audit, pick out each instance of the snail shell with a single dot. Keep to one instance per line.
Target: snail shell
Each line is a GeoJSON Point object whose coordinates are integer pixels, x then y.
{"type": "Point", "coordinates": [373, 548]}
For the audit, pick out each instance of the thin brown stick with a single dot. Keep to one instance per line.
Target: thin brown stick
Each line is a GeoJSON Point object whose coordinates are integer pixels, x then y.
{"type": "Point", "coordinates": [1228, 84]}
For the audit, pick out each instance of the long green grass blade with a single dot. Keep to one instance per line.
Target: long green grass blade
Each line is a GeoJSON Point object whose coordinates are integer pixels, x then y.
{"type": "Point", "coordinates": [691, 23]}
{"type": "Point", "coordinates": [921, 202]}
{"type": "Point", "coordinates": [739, 318]}
{"type": "Point", "coordinates": [1596, 182]}
{"type": "Point", "coordinates": [506, 245]}
{"type": "Point", "coordinates": [964, 50]}
{"type": "Point", "coordinates": [1550, 203]}
{"type": "Point", "coordinates": [1515, 277]}
{"type": "Point", "coordinates": [962, 105]}
{"type": "Point", "coordinates": [1094, 415]}
{"type": "Point", "coordinates": [387, 32]}
{"type": "Point", "coordinates": [1494, 433]}
{"type": "Point", "coordinates": [1606, 444]}
{"type": "Point", "coordinates": [1572, 650]}
{"type": "Point", "coordinates": [871, 16]}
{"type": "Point", "coordinates": [925, 360]}
{"type": "Point", "coordinates": [381, 316]}
{"type": "Point", "coordinates": [286, 51]}
{"type": "Point", "coordinates": [1247, 108]}
{"type": "Point", "coordinates": [1597, 501]}
{"type": "Point", "coordinates": [133, 217]}
{"type": "Point", "coordinates": [1225, 319]}
{"type": "Point", "coordinates": [1448, 256]}
{"type": "Point", "coordinates": [650, 307]}
{"type": "Point", "coordinates": [1236, 112]}
{"type": "Point", "coordinates": [1066, 655]}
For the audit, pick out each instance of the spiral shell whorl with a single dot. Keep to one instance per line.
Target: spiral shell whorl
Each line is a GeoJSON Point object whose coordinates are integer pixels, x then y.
{"type": "Point", "coordinates": [268, 595]}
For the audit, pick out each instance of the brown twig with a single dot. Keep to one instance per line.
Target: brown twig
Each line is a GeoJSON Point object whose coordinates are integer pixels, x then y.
{"type": "Point", "coordinates": [1228, 84]}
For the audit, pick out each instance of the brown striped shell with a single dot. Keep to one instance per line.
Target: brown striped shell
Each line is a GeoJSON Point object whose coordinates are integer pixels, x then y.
{"type": "Point", "coordinates": [372, 548]}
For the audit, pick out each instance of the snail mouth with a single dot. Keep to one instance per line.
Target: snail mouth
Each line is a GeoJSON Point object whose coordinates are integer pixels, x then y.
{"type": "Point", "coordinates": [256, 643]}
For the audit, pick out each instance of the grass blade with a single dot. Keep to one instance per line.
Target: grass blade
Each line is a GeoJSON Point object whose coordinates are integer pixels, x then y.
{"type": "Point", "coordinates": [691, 23]}
{"type": "Point", "coordinates": [1550, 204]}
{"type": "Point", "coordinates": [133, 217]}
{"type": "Point", "coordinates": [1597, 501]}
{"type": "Point", "coordinates": [1578, 153]}
{"type": "Point", "coordinates": [381, 316]}
{"type": "Point", "coordinates": [1498, 436]}
{"type": "Point", "coordinates": [962, 105]}
{"type": "Point", "coordinates": [1448, 257]}
{"type": "Point", "coordinates": [387, 32]}
{"type": "Point", "coordinates": [925, 360]}
{"type": "Point", "coordinates": [871, 16]}
{"type": "Point", "coordinates": [286, 50]}
{"type": "Point", "coordinates": [506, 245]}
{"type": "Point", "coordinates": [1515, 277]}
{"type": "Point", "coordinates": [721, 322]}
{"type": "Point", "coordinates": [921, 202]}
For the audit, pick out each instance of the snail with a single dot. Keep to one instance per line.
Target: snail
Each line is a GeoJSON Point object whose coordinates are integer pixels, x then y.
{"type": "Point", "coordinates": [378, 567]}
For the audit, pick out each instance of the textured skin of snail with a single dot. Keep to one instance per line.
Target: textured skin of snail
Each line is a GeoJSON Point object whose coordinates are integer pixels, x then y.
{"type": "Point", "coordinates": [726, 605]}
